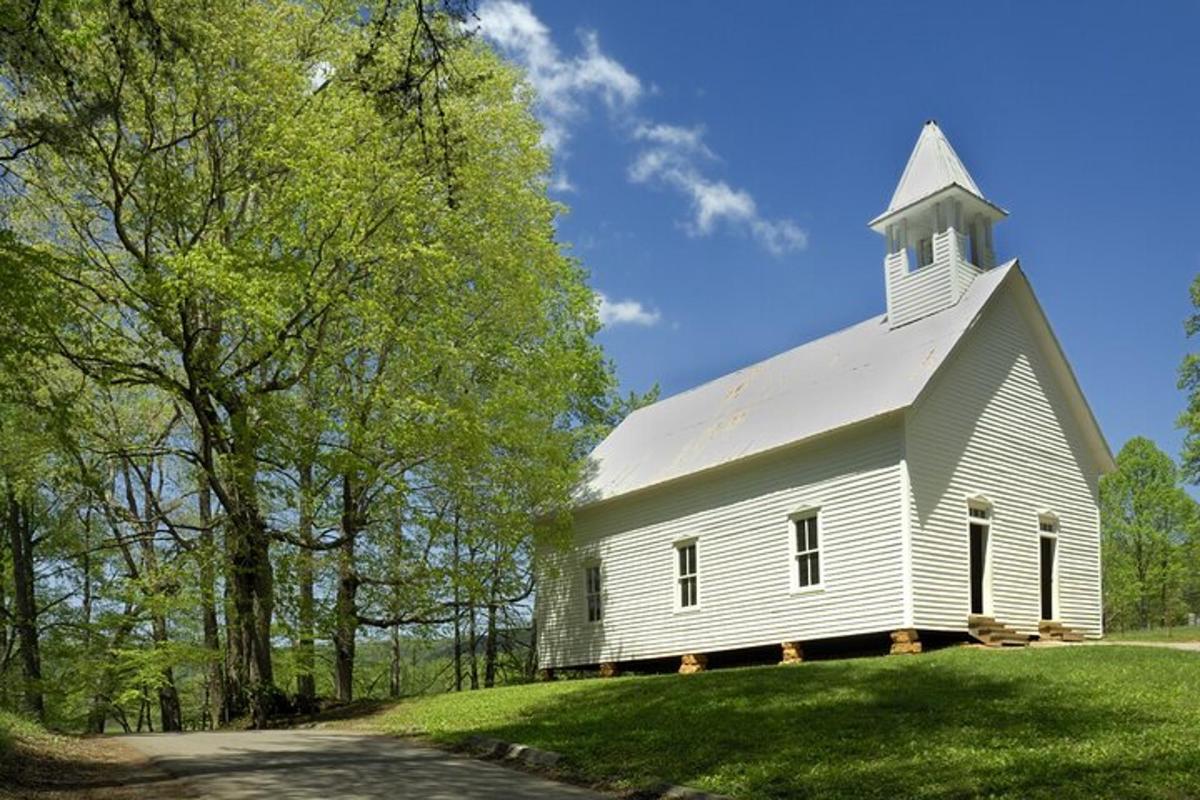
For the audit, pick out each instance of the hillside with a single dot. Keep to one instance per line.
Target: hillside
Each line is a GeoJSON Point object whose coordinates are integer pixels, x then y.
{"type": "Point", "coordinates": [35, 763]}
{"type": "Point", "coordinates": [1064, 723]}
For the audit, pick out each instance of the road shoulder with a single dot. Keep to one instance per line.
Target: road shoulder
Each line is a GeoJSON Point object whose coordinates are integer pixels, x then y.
{"type": "Point", "coordinates": [88, 768]}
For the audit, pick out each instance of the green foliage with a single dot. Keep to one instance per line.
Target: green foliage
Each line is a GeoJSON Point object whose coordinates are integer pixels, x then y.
{"type": "Point", "coordinates": [1189, 382]}
{"type": "Point", "coordinates": [251, 254]}
{"type": "Point", "coordinates": [1149, 526]}
{"type": "Point", "coordinates": [1183, 633]}
{"type": "Point", "coordinates": [1064, 723]}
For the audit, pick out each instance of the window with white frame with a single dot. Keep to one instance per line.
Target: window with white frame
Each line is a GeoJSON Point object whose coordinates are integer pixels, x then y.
{"type": "Point", "coordinates": [806, 550]}
{"type": "Point", "coordinates": [686, 574]}
{"type": "Point", "coordinates": [595, 608]}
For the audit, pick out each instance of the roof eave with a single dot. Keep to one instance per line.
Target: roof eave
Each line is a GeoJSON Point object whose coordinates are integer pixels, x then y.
{"type": "Point", "coordinates": [877, 224]}
{"type": "Point", "coordinates": [741, 461]}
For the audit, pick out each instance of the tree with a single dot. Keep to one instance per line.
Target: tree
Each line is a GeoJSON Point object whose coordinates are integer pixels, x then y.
{"type": "Point", "coordinates": [211, 194]}
{"type": "Point", "coordinates": [288, 277]}
{"type": "Point", "coordinates": [1147, 519]}
{"type": "Point", "coordinates": [1189, 382]}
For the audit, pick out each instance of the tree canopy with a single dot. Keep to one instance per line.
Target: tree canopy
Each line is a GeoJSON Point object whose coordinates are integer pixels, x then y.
{"type": "Point", "coordinates": [287, 336]}
{"type": "Point", "coordinates": [1151, 528]}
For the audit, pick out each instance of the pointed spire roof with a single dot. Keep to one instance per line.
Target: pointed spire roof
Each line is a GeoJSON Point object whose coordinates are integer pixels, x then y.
{"type": "Point", "coordinates": [932, 167]}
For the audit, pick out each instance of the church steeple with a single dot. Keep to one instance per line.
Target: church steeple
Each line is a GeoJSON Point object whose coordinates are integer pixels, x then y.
{"type": "Point", "coordinates": [939, 231]}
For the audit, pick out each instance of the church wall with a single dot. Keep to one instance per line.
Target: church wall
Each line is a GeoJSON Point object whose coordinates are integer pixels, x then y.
{"type": "Point", "coordinates": [996, 422]}
{"type": "Point", "coordinates": [739, 515]}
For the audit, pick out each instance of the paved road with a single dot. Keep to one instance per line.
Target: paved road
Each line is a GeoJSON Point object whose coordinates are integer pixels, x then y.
{"type": "Point", "coordinates": [248, 765]}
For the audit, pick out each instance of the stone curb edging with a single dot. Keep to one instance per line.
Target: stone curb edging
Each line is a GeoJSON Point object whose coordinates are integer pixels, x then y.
{"type": "Point", "coordinates": [495, 748]}
{"type": "Point", "coordinates": [489, 747]}
{"type": "Point", "coordinates": [688, 793]}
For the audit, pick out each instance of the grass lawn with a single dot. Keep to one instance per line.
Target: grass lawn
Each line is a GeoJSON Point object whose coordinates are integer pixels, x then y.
{"type": "Point", "coordinates": [1092, 722]}
{"type": "Point", "coordinates": [1184, 633]}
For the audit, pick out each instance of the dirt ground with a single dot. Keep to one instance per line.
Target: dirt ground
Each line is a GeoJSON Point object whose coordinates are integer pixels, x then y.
{"type": "Point", "coordinates": [98, 768]}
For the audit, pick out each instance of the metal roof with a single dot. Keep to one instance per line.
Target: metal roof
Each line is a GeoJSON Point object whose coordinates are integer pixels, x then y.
{"type": "Point", "coordinates": [856, 374]}
{"type": "Point", "coordinates": [932, 167]}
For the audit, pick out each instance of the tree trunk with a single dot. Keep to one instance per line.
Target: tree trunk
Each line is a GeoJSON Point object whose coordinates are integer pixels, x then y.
{"type": "Point", "coordinates": [531, 660]}
{"type": "Point", "coordinates": [491, 647]}
{"type": "Point", "coordinates": [458, 661]}
{"type": "Point", "coordinates": [346, 624]}
{"type": "Point", "coordinates": [169, 711]}
{"type": "Point", "coordinates": [1166, 585]}
{"type": "Point", "coordinates": [214, 688]}
{"type": "Point", "coordinates": [97, 710]}
{"type": "Point", "coordinates": [250, 679]}
{"type": "Point", "coordinates": [396, 674]}
{"type": "Point", "coordinates": [251, 676]}
{"type": "Point", "coordinates": [4, 652]}
{"type": "Point", "coordinates": [122, 720]}
{"type": "Point", "coordinates": [473, 641]}
{"type": "Point", "coordinates": [1140, 569]}
{"type": "Point", "coordinates": [20, 531]}
{"type": "Point", "coordinates": [306, 660]}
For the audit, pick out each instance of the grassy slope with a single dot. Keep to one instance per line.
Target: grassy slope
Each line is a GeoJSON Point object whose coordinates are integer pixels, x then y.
{"type": "Point", "coordinates": [1184, 633]}
{"type": "Point", "coordinates": [1061, 723]}
{"type": "Point", "coordinates": [14, 728]}
{"type": "Point", "coordinates": [21, 743]}
{"type": "Point", "coordinates": [38, 765]}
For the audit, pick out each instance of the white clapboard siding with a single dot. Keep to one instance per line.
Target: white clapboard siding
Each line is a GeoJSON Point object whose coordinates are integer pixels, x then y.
{"type": "Point", "coordinates": [914, 294]}
{"type": "Point", "coordinates": [739, 515]}
{"type": "Point", "coordinates": [996, 422]}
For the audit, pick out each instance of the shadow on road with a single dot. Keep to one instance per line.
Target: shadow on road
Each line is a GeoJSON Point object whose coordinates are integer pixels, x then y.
{"type": "Point", "coordinates": [248, 765]}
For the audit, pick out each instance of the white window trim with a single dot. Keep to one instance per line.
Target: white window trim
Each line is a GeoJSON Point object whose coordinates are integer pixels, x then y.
{"type": "Point", "coordinates": [981, 502]}
{"type": "Point", "coordinates": [676, 546]}
{"type": "Point", "coordinates": [793, 552]}
{"type": "Point", "coordinates": [587, 595]}
{"type": "Point", "coordinates": [1051, 518]}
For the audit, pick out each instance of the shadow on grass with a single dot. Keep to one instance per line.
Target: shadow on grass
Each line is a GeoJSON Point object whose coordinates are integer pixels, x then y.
{"type": "Point", "coordinates": [332, 711]}
{"type": "Point", "coordinates": [961, 724]}
{"type": "Point", "coordinates": [94, 767]}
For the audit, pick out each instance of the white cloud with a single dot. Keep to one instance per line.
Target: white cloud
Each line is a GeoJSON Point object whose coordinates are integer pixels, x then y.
{"type": "Point", "coordinates": [625, 312]}
{"type": "Point", "coordinates": [686, 139]}
{"type": "Point", "coordinates": [673, 156]}
{"type": "Point", "coordinates": [779, 236]}
{"type": "Point", "coordinates": [560, 182]}
{"type": "Point", "coordinates": [562, 84]}
{"type": "Point", "coordinates": [670, 155]}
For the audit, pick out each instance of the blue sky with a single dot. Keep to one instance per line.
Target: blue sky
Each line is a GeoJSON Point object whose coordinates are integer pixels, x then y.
{"type": "Point", "coordinates": [720, 162]}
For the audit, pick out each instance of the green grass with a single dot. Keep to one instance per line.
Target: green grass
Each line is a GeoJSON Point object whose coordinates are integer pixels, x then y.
{"type": "Point", "coordinates": [1054, 723]}
{"type": "Point", "coordinates": [14, 728]}
{"type": "Point", "coordinates": [1183, 633]}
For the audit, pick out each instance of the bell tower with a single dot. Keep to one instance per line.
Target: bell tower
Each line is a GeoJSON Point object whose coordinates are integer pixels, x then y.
{"type": "Point", "coordinates": [938, 229]}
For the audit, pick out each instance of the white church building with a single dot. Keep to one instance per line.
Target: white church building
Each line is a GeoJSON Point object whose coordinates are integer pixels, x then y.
{"type": "Point", "coordinates": [926, 473]}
